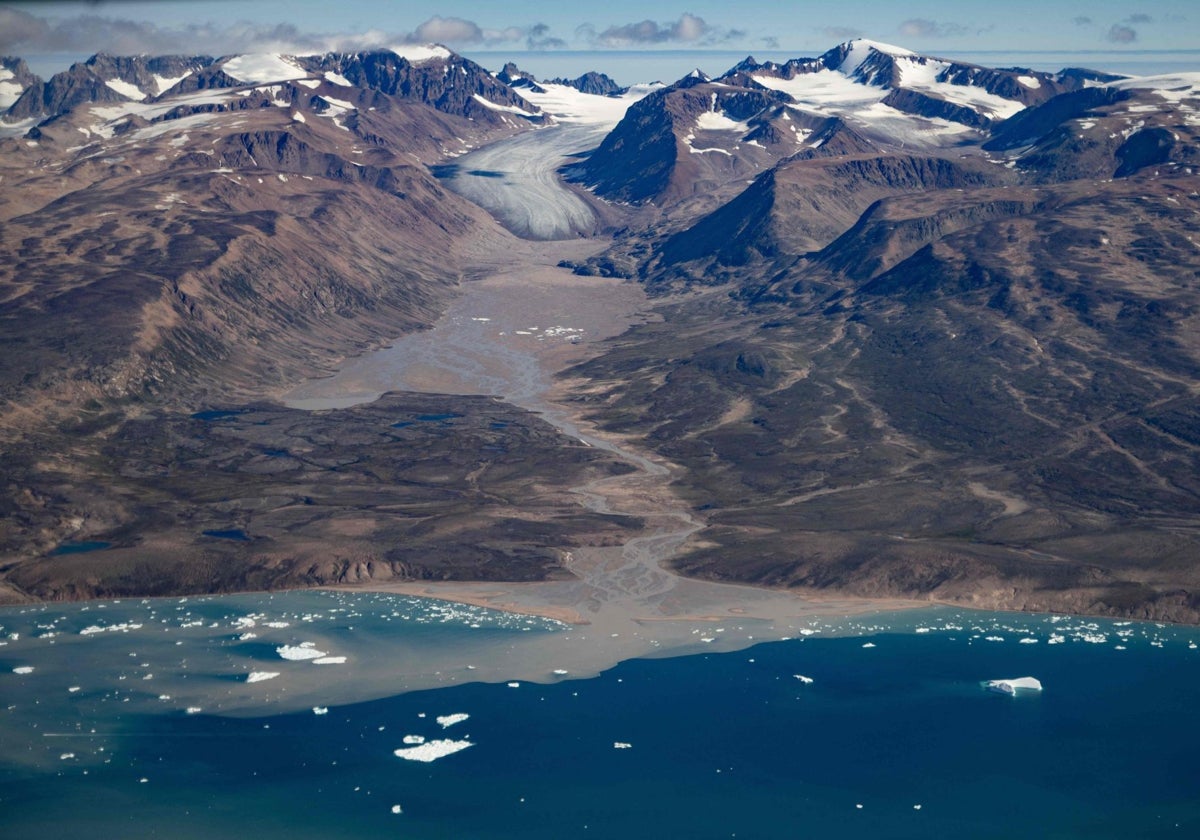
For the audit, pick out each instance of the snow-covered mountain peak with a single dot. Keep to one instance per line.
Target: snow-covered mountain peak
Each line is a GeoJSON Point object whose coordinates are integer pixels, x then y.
{"type": "Point", "coordinates": [860, 50]}
{"type": "Point", "coordinates": [420, 53]}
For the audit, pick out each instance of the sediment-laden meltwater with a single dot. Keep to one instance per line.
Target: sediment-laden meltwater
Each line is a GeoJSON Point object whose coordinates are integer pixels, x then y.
{"type": "Point", "coordinates": [316, 714]}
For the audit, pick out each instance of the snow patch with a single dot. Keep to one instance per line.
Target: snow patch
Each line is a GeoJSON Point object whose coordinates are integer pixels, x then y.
{"type": "Point", "coordinates": [337, 79]}
{"type": "Point", "coordinates": [126, 89]}
{"type": "Point", "coordinates": [508, 109]}
{"type": "Point", "coordinates": [420, 53]}
{"type": "Point", "coordinates": [255, 68]}
{"type": "Point", "coordinates": [165, 83]}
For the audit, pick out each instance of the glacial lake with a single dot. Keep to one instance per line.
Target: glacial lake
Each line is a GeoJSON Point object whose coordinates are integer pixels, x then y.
{"type": "Point", "coordinates": [139, 719]}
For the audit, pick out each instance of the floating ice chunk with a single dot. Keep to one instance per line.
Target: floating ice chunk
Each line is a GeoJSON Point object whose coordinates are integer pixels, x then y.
{"type": "Point", "coordinates": [320, 710]}
{"type": "Point", "coordinates": [300, 652]}
{"type": "Point", "coordinates": [23, 669]}
{"type": "Point", "coordinates": [514, 685]}
{"type": "Point", "coordinates": [245, 637]}
{"type": "Point", "coordinates": [561, 672]}
{"type": "Point", "coordinates": [396, 809]}
{"type": "Point", "coordinates": [193, 710]}
{"type": "Point", "coordinates": [413, 740]}
{"type": "Point", "coordinates": [446, 721]}
{"type": "Point", "coordinates": [1029, 640]}
{"type": "Point", "coordinates": [66, 756]}
{"type": "Point", "coordinates": [432, 750]}
{"type": "Point", "coordinates": [916, 807]}
{"type": "Point", "coordinates": [278, 625]}
{"type": "Point", "coordinates": [622, 745]}
{"type": "Point", "coordinates": [261, 676]}
{"type": "Point", "coordinates": [329, 660]}
{"type": "Point", "coordinates": [803, 679]}
{"type": "Point", "coordinates": [1010, 686]}
{"type": "Point", "coordinates": [869, 645]}
{"type": "Point", "coordinates": [73, 689]}
{"type": "Point", "coordinates": [244, 622]}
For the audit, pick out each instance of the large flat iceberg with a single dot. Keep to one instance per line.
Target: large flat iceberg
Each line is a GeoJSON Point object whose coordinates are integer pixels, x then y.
{"type": "Point", "coordinates": [1011, 686]}
{"type": "Point", "coordinates": [432, 750]}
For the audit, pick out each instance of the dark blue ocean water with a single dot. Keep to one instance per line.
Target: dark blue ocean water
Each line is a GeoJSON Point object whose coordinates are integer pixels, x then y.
{"type": "Point", "coordinates": [720, 745]}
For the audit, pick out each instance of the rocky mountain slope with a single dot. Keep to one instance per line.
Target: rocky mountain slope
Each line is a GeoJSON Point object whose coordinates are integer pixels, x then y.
{"type": "Point", "coordinates": [705, 136]}
{"type": "Point", "coordinates": [928, 328]}
{"type": "Point", "coordinates": [969, 375]}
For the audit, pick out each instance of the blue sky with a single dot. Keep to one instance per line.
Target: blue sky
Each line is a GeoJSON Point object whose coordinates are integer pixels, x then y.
{"type": "Point", "coordinates": [933, 27]}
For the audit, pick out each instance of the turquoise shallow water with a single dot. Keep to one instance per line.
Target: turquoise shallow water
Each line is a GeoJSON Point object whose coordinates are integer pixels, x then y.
{"type": "Point", "coordinates": [719, 744]}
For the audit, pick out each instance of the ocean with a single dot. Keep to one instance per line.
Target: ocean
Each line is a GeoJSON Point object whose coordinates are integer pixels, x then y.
{"type": "Point", "coordinates": [868, 726]}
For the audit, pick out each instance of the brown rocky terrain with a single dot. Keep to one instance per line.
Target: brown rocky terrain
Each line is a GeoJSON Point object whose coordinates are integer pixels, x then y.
{"type": "Point", "coordinates": [983, 389]}
{"type": "Point", "coordinates": [927, 331]}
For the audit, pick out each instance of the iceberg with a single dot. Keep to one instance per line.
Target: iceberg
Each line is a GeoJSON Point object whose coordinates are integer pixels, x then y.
{"type": "Point", "coordinates": [1011, 686]}
{"type": "Point", "coordinates": [260, 676]}
{"type": "Point", "coordinates": [300, 652]}
{"type": "Point", "coordinates": [432, 750]}
{"type": "Point", "coordinates": [446, 721]}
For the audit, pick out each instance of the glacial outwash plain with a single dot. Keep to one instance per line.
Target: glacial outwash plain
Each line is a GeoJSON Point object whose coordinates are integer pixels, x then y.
{"type": "Point", "coordinates": [870, 328]}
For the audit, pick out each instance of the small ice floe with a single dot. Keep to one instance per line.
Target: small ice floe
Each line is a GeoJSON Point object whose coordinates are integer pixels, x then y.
{"type": "Point", "coordinates": [514, 685]}
{"type": "Point", "coordinates": [560, 672]}
{"type": "Point", "coordinates": [622, 745]}
{"type": "Point", "coordinates": [446, 721]}
{"type": "Point", "coordinates": [1029, 640]}
{"type": "Point", "coordinates": [803, 679]}
{"type": "Point", "coordinates": [396, 809]}
{"type": "Point", "coordinates": [916, 807]}
{"type": "Point", "coordinates": [413, 740]}
{"type": "Point", "coordinates": [73, 689]}
{"type": "Point", "coordinates": [261, 676]}
{"type": "Point", "coordinates": [869, 645]}
{"type": "Point", "coordinates": [481, 319]}
{"type": "Point", "coordinates": [66, 756]}
{"type": "Point", "coordinates": [300, 652]}
{"type": "Point", "coordinates": [1191, 645]}
{"type": "Point", "coordinates": [143, 780]}
{"type": "Point", "coordinates": [432, 750]}
{"type": "Point", "coordinates": [23, 669]}
{"type": "Point", "coordinates": [1010, 687]}
{"type": "Point", "coordinates": [329, 660]}
{"type": "Point", "coordinates": [278, 625]}
{"type": "Point", "coordinates": [193, 710]}
{"type": "Point", "coordinates": [320, 710]}
{"type": "Point", "coordinates": [245, 637]}
{"type": "Point", "coordinates": [164, 697]}
{"type": "Point", "coordinates": [993, 638]}
{"type": "Point", "coordinates": [1056, 639]}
